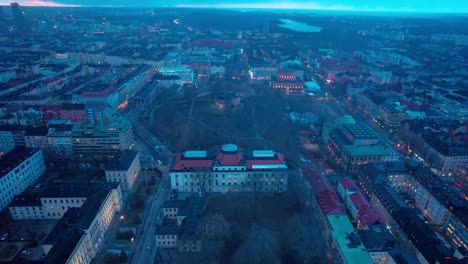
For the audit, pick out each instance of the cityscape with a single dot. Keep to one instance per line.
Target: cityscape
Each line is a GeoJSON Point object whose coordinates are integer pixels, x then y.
{"type": "Point", "coordinates": [232, 133]}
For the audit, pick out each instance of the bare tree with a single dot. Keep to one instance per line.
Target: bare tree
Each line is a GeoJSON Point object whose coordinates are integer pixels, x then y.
{"type": "Point", "coordinates": [215, 227]}
{"type": "Point", "coordinates": [260, 247]}
{"type": "Point", "coordinates": [302, 239]}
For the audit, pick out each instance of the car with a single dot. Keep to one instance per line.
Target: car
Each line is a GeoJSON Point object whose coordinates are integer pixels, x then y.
{"type": "Point", "coordinates": [26, 252]}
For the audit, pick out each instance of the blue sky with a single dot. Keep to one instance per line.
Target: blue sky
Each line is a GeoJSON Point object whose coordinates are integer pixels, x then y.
{"type": "Point", "coordinates": [459, 6]}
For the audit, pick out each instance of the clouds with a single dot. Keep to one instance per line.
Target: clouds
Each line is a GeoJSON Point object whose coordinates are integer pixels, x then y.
{"type": "Point", "coordinates": [359, 5]}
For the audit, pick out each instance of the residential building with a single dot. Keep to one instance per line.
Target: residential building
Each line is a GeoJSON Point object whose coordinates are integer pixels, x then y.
{"type": "Point", "coordinates": [229, 169]}
{"type": "Point", "coordinates": [379, 242]}
{"type": "Point", "coordinates": [117, 94]}
{"type": "Point", "coordinates": [75, 112]}
{"type": "Point", "coordinates": [438, 143]}
{"type": "Point", "coordinates": [7, 142]}
{"type": "Point", "coordinates": [455, 228]}
{"type": "Point", "coordinates": [461, 181]}
{"type": "Point", "coordinates": [19, 168]}
{"type": "Point", "coordinates": [386, 201]}
{"type": "Point", "coordinates": [36, 137]}
{"type": "Point", "coordinates": [52, 200]}
{"type": "Point", "coordinates": [6, 76]}
{"type": "Point", "coordinates": [123, 168]}
{"type": "Point", "coordinates": [419, 237]}
{"type": "Point", "coordinates": [360, 209]}
{"type": "Point", "coordinates": [180, 228]}
{"type": "Point", "coordinates": [184, 74]}
{"type": "Point", "coordinates": [217, 70]}
{"type": "Point", "coordinates": [16, 131]}
{"type": "Point", "coordinates": [345, 242]}
{"type": "Point", "coordinates": [434, 197]}
{"type": "Point", "coordinates": [443, 155]}
{"type": "Point", "coordinates": [262, 73]}
{"type": "Point", "coordinates": [395, 174]}
{"type": "Point", "coordinates": [79, 234]}
{"type": "Point", "coordinates": [60, 142]}
{"type": "Point", "coordinates": [100, 141]}
{"type": "Point", "coordinates": [327, 198]}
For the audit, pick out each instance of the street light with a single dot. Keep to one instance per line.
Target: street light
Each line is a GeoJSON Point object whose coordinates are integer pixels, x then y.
{"type": "Point", "coordinates": [122, 217]}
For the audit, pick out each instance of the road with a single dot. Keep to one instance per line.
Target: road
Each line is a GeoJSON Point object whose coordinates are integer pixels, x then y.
{"type": "Point", "coordinates": [145, 245]}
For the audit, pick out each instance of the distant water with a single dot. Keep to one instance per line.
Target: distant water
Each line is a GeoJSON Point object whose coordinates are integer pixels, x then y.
{"type": "Point", "coordinates": [298, 26]}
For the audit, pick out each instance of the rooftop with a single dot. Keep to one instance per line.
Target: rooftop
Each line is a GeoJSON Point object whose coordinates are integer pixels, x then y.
{"type": "Point", "coordinates": [15, 157]}
{"type": "Point", "coordinates": [70, 229]}
{"type": "Point", "coordinates": [70, 107]}
{"type": "Point", "coordinates": [228, 155]}
{"type": "Point", "coordinates": [347, 239]}
{"type": "Point", "coordinates": [444, 193]}
{"type": "Point", "coordinates": [377, 238]}
{"type": "Point", "coordinates": [421, 235]}
{"type": "Point", "coordinates": [75, 189]}
{"type": "Point", "coordinates": [123, 161]}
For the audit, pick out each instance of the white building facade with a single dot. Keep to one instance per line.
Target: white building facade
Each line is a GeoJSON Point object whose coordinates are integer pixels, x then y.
{"type": "Point", "coordinates": [18, 169]}
{"type": "Point", "coordinates": [229, 170]}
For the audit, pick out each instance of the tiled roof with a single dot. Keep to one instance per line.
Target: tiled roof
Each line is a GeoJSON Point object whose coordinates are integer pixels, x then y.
{"type": "Point", "coordinates": [180, 163]}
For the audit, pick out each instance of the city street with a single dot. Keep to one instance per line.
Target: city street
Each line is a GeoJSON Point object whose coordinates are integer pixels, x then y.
{"type": "Point", "coordinates": [145, 245]}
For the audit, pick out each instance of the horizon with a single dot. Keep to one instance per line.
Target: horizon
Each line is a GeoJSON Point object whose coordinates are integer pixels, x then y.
{"type": "Point", "coordinates": [416, 6]}
{"type": "Point", "coordinates": [250, 9]}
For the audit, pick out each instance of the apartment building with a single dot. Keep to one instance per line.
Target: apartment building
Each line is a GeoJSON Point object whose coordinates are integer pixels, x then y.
{"type": "Point", "coordinates": [19, 168]}
{"type": "Point", "coordinates": [124, 168]}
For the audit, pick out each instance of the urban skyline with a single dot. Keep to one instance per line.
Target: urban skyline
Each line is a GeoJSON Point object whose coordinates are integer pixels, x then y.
{"type": "Point", "coordinates": [232, 135]}
{"type": "Point", "coordinates": [433, 6]}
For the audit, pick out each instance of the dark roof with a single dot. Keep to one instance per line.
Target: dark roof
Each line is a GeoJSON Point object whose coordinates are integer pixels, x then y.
{"type": "Point", "coordinates": [24, 200]}
{"type": "Point", "coordinates": [9, 161]}
{"type": "Point", "coordinates": [12, 128]}
{"type": "Point", "coordinates": [421, 235]}
{"type": "Point", "coordinates": [37, 131]}
{"type": "Point", "coordinates": [75, 189]}
{"type": "Point", "coordinates": [122, 161]}
{"type": "Point", "coordinates": [169, 229]}
{"type": "Point", "coordinates": [444, 193]}
{"type": "Point", "coordinates": [73, 106]}
{"type": "Point", "coordinates": [192, 208]}
{"type": "Point", "coordinates": [174, 204]}
{"type": "Point", "coordinates": [389, 198]}
{"type": "Point", "coordinates": [377, 238]}
{"type": "Point", "coordinates": [61, 127]}
{"type": "Point", "coordinates": [73, 225]}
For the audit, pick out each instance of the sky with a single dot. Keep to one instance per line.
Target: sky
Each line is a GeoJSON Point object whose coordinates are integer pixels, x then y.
{"type": "Point", "coordinates": [455, 6]}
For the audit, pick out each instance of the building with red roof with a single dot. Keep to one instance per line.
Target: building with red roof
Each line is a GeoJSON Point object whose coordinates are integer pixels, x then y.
{"type": "Point", "coordinates": [327, 199]}
{"type": "Point", "coordinates": [229, 169]}
{"type": "Point", "coordinates": [362, 212]}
